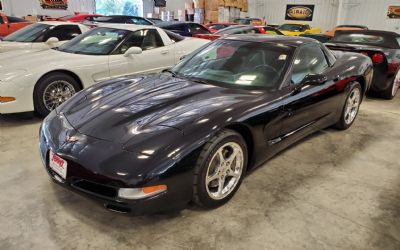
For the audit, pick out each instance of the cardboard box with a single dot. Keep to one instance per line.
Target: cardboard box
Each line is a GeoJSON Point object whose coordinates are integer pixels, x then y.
{"type": "Point", "coordinates": [32, 19]}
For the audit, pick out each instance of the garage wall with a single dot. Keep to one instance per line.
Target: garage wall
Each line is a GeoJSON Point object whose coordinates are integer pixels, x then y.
{"type": "Point", "coordinates": [371, 13]}
{"type": "Point", "coordinates": [274, 11]}
{"type": "Point", "coordinates": [32, 7]}
{"type": "Point", "coordinates": [363, 12]}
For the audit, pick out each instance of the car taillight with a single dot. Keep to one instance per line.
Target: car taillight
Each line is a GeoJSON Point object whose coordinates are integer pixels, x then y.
{"type": "Point", "coordinates": [377, 58]}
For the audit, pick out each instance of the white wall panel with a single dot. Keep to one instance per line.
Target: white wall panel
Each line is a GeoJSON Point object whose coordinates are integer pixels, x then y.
{"type": "Point", "coordinates": [32, 7]}
{"type": "Point", "coordinates": [372, 13]}
{"type": "Point", "coordinates": [325, 12]}
{"type": "Point", "coordinates": [363, 12]}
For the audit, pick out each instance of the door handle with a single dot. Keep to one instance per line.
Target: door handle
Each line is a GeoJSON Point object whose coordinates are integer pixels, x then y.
{"type": "Point", "coordinates": [164, 52]}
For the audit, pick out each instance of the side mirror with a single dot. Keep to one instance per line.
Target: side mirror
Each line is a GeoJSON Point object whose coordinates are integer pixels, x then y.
{"type": "Point", "coordinates": [52, 41]}
{"type": "Point", "coordinates": [133, 51]}
{"type": "Point", "coordinates": [314, 80]}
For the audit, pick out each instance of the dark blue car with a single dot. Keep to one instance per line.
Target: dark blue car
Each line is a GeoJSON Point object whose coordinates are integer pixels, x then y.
{"type": "Point", "coordinates": [184, 28]}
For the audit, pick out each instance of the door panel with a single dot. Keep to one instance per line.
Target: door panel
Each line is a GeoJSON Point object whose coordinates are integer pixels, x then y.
{"type": "Point", "coordinates": [314, 106]}
{"type": "Point", "coordinates": [154, 60]}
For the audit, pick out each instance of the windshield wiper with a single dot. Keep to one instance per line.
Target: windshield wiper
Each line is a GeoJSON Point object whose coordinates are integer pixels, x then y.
{"type": "Point", "coordinates": [197, 80]}
{"type": "Point", "coordinates": [173, 73]}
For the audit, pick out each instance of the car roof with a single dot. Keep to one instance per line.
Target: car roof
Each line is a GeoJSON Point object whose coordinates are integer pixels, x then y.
{"type": "Point", "coordinates": [292, 41]}
{"type": "Point", "coordinates": [57, 23]}
{"type": "Point", "coordinates": [130, 27]}
{"type": "Point", "coordinates": [174, 22]}
{"type": "Point", "coordinates": [370, 32]}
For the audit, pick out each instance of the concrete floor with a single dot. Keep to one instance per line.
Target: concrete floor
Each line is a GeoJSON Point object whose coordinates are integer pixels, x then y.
{"type": "Point", "coordinates": [332, 190]}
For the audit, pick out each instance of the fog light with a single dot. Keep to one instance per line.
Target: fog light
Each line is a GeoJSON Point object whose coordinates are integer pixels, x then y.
{"type": "Point", "coordinates": [7, 99]}
{"type": "Point", "coordinates": [140, 193]}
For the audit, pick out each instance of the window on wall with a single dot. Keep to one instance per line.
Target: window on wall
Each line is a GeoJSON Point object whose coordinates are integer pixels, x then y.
{"type": "Point", "coordinates": [120, 7]}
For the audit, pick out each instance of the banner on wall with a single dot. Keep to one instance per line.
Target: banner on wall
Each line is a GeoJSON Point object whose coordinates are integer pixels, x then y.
{"type": "Point", "coordinates": [54, 4]}
{"type": "Point", "coordinates": [299, 12]}
{"type": "Point", "coordinates": [394, 12]}
{"type": "Point", "coordinates": [120, 7]}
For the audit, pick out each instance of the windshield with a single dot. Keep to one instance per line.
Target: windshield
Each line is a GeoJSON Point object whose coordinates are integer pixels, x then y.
{"type": "Point", "coordinates": [237, 64]}
{"type": "Point", "coordinates": [29, 33]}
{"type": "Point", "coordinates": [67, 17]}
{"type": "Point", "coordinates": [98, 41]}
{"type": "Point", "coordinates": [359, 38]}
{"type": "Point", "coordinates": [292, 27]}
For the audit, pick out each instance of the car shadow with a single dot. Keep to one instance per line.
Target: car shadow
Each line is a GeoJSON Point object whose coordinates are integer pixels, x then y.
{"type": "Point", "coordinates": [12, 120]}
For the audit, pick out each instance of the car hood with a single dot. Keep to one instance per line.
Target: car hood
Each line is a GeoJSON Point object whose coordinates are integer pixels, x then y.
{"type": "Point", "coordinates": [9, 46]}
{"type": "Point", "coordinates": [31, 59]}
{"type": "Point", "coordinates": [120, 109]}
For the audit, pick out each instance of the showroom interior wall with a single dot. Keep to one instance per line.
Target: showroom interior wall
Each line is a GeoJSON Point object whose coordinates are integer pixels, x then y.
{"type": "Point", "coordinates": [362, 12]}
{"type": "Point", "coordinates": [325, 12]}
{"type": "Point", "coordinates": [32, 7]}
{"type": "Point", "coordinates": [371, 13]}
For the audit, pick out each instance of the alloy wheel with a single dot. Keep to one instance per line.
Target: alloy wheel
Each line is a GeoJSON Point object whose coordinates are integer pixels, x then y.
{"type": "Point", "coordinates": [56, 93]}
{"type": "Point", "coordinates": [352, 105]}
{"type": "Point", "coordinates": [396, 84]}
{"type": "Point", "coordinates": [224, 170]}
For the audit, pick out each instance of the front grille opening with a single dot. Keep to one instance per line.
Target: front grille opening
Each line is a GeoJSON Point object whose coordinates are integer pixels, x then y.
{"type": "Point", "coordinates": [95, 188]}
{"type": "Point", "coordinates": [117, 209]}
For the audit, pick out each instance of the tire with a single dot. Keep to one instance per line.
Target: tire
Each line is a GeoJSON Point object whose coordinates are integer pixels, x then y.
{"type": "Point", "coordinates": [55, 87]}
{"type": "Point", "coordinates": [206, 191]}
{"type": "Point", "coordinates": [393, 88]}
{"type": "Point", "coordinates": [347, 119]}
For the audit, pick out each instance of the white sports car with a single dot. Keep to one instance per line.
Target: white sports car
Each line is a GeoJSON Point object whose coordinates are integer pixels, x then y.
{"type": "Point", "coordinates": [42, 35]}
{"type": "Point", "coordinates": [42, 80]}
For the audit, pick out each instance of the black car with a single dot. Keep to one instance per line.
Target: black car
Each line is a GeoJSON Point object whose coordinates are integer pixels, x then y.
{"type": "Point", "coordinates": [383, 47]}
{"type": "Point", "coordinates": [146, 143]}
{"type": "Point", "coordinates": [319, 37]}
{"type": "Point", "coordinates": [122, 19]}
{"type": "Point", "coordinates": [184, 28]}
{"type": "Point", "coordinates": [155, 20]}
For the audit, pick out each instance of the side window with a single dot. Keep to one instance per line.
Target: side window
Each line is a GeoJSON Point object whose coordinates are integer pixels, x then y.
{"type": "Point", "coordinates": [145, 39]}
{"type": "Point", "coordinates": [309, 60]}
{"type": "Point", "coordinates": [64, 32]}
{"type": "Point", "coordinates": [12, 19]}
{"type": "Point", "coordinates": [197, 29]}
{"type": "Point", "coordinates": [140, 21]}
{"type": "Point", "coordinates": [1, 20]}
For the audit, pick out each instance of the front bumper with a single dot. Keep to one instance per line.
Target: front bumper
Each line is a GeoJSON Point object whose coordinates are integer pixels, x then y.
{"type": "Point", "coordinates": [88, 176]}
{"type": "Point", "coordinates": [23, 94]}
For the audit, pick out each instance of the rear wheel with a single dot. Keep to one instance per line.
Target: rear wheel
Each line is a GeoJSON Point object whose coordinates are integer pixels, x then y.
{"type": "Point", "coordinates": [220, 169]}
{"type": "Point", "coordinates": [391, 91]}
{"type": "Point", "coordinates": [52, 90]}
{"type": "Point", "coordinates": [351, 107]}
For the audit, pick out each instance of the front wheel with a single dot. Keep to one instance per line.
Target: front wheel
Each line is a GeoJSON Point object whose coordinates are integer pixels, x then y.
{"type": "Point", "coordinates": [220, 169]}
{"type": "Point", "coordinates": [351, 107]}
{"type": "Point", "coordinates": [52, 90]}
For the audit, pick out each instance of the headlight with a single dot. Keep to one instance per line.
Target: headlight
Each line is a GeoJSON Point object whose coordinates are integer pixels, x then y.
{"type": "Point", "coordinates": [140, 193]}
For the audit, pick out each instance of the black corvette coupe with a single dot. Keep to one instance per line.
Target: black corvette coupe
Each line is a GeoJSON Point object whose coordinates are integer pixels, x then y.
{"type": "Point", "coordinates": [146, 143]}
{"type": "Point", "coordinates": [383, 48]}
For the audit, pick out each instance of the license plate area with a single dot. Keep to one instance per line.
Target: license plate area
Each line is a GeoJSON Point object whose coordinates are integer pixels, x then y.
{"type": "Point", "coordinates": [58, 165]}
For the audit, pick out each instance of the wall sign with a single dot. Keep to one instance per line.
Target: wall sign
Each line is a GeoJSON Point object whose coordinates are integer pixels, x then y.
{"type": "Point", "coordinates": [394, 12]}
{"type": "Point", "coordinates": [299, 12]}
{"type": "Point", "coordinates": [54, 4]}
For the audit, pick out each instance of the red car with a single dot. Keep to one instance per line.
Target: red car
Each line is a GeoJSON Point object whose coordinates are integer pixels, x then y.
{"type": "Point", "coordinates": [75, 18]}
{"type": "Point", "coordinates": [237, 29]}
{"type": "Point", "coordinates": [9, 24]}
{"type": "Point", "coordinates": [214, 27]}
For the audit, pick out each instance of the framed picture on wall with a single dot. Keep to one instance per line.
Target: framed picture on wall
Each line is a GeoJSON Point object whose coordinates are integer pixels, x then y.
{"type": "Point", "coordinates": [299, 12]}
{"type": "Point", "coordinates": [394, 12]}
{"type": "Point", "coordinates": [54, 4]}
